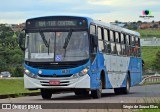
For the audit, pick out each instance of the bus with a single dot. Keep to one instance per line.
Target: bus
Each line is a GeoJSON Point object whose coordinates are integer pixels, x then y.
{"type": "Point", "coordinates": [79, 54]}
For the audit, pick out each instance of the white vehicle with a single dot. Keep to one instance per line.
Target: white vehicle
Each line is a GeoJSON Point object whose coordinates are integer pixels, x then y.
{"type": "Point", "coordinates": [5, 74]}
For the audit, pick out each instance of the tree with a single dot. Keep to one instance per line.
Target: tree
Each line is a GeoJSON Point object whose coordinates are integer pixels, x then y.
{"type": "Point", "coordinates": [156, 63]}
{"type": "Point", "coordinates": [116, 21]}
{"type": "Point", "coordinates": [11, 56]}
{"type": "Point", "coordinates": [139, 22]}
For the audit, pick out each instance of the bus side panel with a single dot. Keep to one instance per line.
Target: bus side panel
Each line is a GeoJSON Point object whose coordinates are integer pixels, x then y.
{"type": "Point", "coordinates": [101, 66]}
{"type": "Point", "coordinates": [135, 68]}
{"type": "Point", "coordinates": [96, 69]}
{"type": "Point", "coordinates": [107, 63]}
{"type": "Point", "coordinates": [117, 67]}
{"type": "Point", "coordinates": [93, 75]}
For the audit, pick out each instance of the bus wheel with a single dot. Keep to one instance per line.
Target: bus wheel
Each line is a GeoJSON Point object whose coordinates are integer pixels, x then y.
{"type": "Point", "coordinates": [46, 93]}
{"type": "Point", "coordinates": [81, 92]}
{"type": "Point", "coordinates": [123, 90]}
{"type": "Point", "coordinates": [97, 93]}
{"type": "Point", "coordinates": [127, 88]}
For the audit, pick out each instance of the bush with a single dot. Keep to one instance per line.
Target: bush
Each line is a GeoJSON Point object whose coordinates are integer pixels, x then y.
{"type": "Point", "coordinates": [18, 72]}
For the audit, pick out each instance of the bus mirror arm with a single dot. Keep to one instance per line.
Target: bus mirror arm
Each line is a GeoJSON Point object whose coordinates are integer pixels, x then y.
{"type": "Point", "coordinates": [21, 38]}
{"type": "Point", "coordinates": [142, 63]}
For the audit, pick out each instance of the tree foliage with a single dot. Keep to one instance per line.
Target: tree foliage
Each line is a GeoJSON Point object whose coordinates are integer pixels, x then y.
{"type": "Point", "coordinates": [157, 62]}
{"type": "Point", "coordinates": [11, 56]}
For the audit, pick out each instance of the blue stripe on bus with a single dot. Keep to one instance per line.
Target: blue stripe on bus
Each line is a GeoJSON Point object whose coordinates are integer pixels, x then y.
{"type": "Point", "coordinates": [135, 67]}
{"type": "Point", "coordinates": [57, 72]}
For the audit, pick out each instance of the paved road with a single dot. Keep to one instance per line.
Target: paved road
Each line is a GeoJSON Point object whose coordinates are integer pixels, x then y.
{"type": "Point", "coordinates": [138, 94]}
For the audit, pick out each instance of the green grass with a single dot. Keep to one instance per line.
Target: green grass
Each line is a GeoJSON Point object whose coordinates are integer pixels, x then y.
{"type": "Point", "coordinates": [149, 83]}
{"type": "Point", "coordinates": [149, 110]}
{"type": "Point", "coordinates": [156, 101]}
{"type": "Point", "coordinates": [149, 55]}
{"type": "Point", "coordinates": [13, 86]}
{"type": "Point", "coordinates": [149, 33]}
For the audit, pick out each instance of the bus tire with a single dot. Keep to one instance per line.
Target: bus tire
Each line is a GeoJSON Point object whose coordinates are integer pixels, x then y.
{"type": "Point", "coordinates": [126, 89]}
{"type": "Point", "coordinates": [46, 93]}
{"type": "Point", "coordinates": [123, 90]}
{"type": "Point", "coordinates": [97, 93]}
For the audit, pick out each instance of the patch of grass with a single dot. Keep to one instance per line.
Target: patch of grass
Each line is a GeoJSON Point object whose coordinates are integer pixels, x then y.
{"type": "Point", "coordinates": [13, 86]}
{"type": "Point", "coordinates": [149, 83]}
{"type": "Point", "coordinates": [149, 33]}
{"type": "Point", "coordinates": [149, 110]}
{"type": "Point", "coordinates": [149, 55]}
{"type": "Point", "coordinates": [157, 102]}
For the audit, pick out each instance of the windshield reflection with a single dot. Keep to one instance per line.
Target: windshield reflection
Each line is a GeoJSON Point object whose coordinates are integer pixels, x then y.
{"type": "Point", "coordinates": [77, 48]}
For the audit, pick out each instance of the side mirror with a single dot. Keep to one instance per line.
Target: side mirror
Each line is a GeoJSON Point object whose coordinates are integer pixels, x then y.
{"type": "Point", "coordinates": [142, 63]}
{"type": "Point", "coordinates": [94, 39]}
{"type": "Point", "coordinates": [21, 40]}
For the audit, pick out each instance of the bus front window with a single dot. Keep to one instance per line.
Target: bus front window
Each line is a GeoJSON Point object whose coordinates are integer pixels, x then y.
{"type": "Point", "coordinates": [77, 47]}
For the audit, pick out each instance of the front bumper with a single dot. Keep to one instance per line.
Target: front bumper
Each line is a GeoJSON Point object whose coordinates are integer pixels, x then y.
{"type": "Point", "coordinates": [65, 82]}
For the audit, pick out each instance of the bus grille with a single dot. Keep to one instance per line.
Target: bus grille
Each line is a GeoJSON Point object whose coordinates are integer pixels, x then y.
{"type": "Point", "coordinates": [52, 76]}
{"type": "Point", "coordinates": [54, 65]}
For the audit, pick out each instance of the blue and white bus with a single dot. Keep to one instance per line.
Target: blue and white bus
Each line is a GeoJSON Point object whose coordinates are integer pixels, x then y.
{"type": "Point", "coordinates": [79, 54]}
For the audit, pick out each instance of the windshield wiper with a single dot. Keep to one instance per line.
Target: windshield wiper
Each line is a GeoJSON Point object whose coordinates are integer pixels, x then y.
{"type": "Point", "coordinates": [45, 41]}
{"type": "Point", "coordinates": [67, 39]}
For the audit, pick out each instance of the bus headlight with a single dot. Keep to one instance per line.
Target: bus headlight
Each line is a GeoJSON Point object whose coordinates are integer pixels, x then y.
{"type": "Point", "coordinates": [84, 71]}
{"type": "Point", "coordinates": [28, 73]}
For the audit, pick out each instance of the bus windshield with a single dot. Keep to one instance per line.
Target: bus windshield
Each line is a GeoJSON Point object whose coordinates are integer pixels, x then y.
{"type": "Point", "coordinates": [77, 46]}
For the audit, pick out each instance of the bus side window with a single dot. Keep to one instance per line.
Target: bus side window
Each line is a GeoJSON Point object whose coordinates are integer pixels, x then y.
{"type": "Point", "coordinates": [132, 41]}
{"type": "Point", "coordinates": [128, 48]}
{"type": "Point", "coordinates": [93, 33]}
{"type": "Point", "coordinates": [139, 53]}
{"type": "Point", "coordinates": [137, 41]}
{"type": "Point", "coordinates": [106, 37]}
{"type": "Point", "coordinates": [117, 37]}
{"type": "Point", "coordinates": [100, 40]}
{"type": "Point", "coordinates": [113, 48]}
{"type": "Point", "coordinates": [111, 36]}
{"type": "Point", "coordinates": [108, 47]}
{"type": "Point", "coordinates": [106, 41]}
{"type": "Point", "coordinates": [123, 49]}
{"type": "Point", "coordinates": [118, 46]}
{"type": "Point", "coordinates": [137, 47]}
{"type": "Point", "coordinates": [122, 38]}
{"type": "Point", "coordinates": [127, 40]}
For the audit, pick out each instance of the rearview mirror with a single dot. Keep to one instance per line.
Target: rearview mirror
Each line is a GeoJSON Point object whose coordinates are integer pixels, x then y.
{"type": "Point", "coordinates": [142, 63]}
{"type": "Point", "coordinates": [21, 40]}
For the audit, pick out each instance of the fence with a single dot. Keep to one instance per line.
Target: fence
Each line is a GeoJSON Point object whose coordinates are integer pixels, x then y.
{"type": "Point", "coordinates": [150, 79]}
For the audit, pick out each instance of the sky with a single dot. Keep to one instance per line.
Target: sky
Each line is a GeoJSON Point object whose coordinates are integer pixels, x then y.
{"type": "Point", "coordinates": [17, 11]}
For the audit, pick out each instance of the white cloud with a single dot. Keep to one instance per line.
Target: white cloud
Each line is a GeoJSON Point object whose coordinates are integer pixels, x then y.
{"type": "Point", "coordinates": [124, 10]}
{"type": "Point", "coordinates": [124, 3]}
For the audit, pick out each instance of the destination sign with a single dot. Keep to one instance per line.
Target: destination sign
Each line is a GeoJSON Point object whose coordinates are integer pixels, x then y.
{"type": "Point", "coordinates": [48, 23]}
{"type": "Point", "coordinates": [55, 23]}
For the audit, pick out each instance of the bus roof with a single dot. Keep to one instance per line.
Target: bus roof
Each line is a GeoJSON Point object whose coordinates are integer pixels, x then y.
{"type": "Point", "coordinates": [90, 20]}
{"type": "Point", "coordinates": [115, 28]}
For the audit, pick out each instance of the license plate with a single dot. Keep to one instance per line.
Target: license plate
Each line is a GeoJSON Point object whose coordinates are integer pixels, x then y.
{"type": "Point", "coordinates": [54, 82]}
